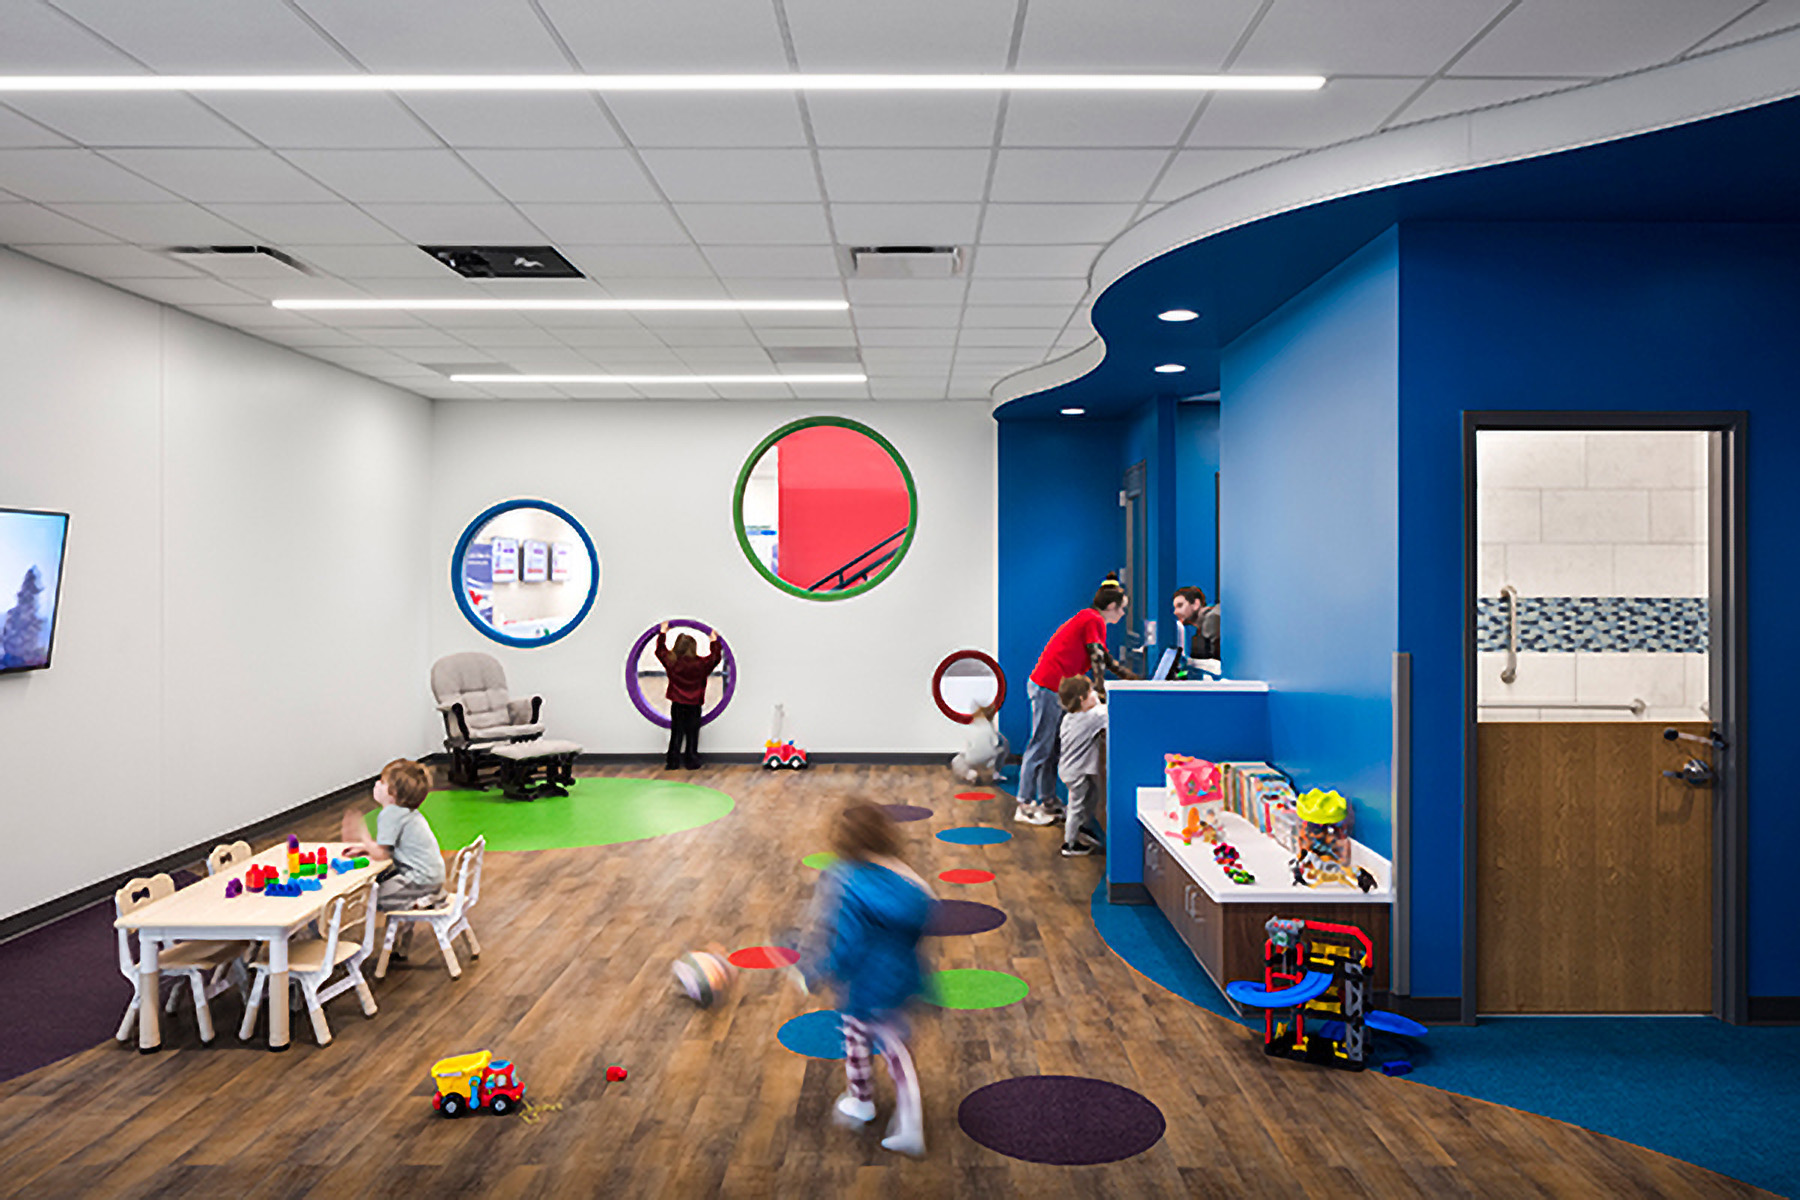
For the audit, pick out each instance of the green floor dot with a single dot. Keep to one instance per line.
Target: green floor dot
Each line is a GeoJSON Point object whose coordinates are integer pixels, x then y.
{"type": "Point", "coordinates": [820, 861]}
{"type": "Point", "coordinates": [966, 987]}
{"type": "Point", "coordinates": [596, 812]}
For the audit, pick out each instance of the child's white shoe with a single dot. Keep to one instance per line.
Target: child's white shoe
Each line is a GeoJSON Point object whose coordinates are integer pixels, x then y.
{"type": "Point", "coordinates": [852, 1113]}
{"type": "Point", "coordinates": [902, 1139]}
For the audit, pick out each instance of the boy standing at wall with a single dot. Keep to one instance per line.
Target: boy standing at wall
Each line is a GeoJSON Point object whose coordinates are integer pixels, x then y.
{"type": "Point", "coordinates": [1081, 766]}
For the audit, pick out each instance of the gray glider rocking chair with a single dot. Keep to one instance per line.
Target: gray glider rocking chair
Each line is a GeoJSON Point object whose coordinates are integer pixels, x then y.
{"type": "Point", "coordinates": [479, 714]}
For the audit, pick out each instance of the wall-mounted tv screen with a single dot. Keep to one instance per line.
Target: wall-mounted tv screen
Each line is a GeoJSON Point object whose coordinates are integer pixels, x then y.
{"type": "Point", "coordinates": [31, 558]}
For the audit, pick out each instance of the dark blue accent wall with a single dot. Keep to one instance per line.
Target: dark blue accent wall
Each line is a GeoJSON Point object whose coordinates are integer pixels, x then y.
{"type": "Point", "coordinates": [1596, 317]}
{"type": "Point", "coordinates": [1196, 462]}
{"type": "Point", "coordinates": [1310, 560]}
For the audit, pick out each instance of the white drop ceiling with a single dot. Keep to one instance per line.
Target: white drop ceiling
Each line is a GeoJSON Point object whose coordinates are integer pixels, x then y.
{"type": "Point", "coordinates": [722, 195]}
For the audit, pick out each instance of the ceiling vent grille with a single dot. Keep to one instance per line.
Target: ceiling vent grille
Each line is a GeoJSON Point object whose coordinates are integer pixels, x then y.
{"type": "Point", "coordinates": [240, 262]}
{"type": "Point", "coordinates": [906, 262]}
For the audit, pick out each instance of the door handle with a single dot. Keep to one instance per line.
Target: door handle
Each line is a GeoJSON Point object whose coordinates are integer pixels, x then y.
{"type": "Point", "coordinates": [1695, 772]}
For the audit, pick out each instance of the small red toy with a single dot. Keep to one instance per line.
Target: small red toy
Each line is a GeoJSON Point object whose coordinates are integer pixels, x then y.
{"type": "Point", "coordinates": [615, 1074]}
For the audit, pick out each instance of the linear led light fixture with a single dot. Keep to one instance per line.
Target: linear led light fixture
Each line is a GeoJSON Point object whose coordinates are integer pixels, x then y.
{"type": "Point", "coordinates": [649, 379]}
{"type": "Point", "coordinates": [798, 82]}
{"type": "Point", "coordinates": [596, 305]}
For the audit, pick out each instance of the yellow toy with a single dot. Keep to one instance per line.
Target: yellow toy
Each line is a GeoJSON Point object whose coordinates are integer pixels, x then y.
{"type": "Point", "coordinates": [471, 1082]}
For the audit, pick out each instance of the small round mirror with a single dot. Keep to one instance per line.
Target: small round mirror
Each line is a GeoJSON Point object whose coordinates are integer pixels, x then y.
{"type": "Point", "coordinates": [825, 508]}
{"type": "Point", "coordinates": [966, 681]}
{"type": "Point", "coordinates": [646, 680]}
{"type": "Point", "coordinates": [525, 573]}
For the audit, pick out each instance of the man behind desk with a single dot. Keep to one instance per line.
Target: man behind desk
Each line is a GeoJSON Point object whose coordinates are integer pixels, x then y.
{"type": "Point", "coordinates": [1202, 619]}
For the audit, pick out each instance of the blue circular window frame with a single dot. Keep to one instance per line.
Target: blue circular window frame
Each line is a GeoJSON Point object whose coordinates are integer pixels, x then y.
{"type": "Point", "coordinates": [462, 599]}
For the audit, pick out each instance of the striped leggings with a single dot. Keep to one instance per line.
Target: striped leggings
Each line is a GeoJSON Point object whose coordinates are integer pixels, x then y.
{"type": "Point", "coordinates": [859, 1066]}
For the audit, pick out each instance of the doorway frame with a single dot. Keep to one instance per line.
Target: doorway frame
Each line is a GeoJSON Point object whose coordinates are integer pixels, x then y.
{"type": "Point", "coordinates": [1728, 664]}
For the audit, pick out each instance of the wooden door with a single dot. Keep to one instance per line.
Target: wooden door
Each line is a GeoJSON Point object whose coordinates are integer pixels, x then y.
{"type": "Point", "coordinates": [1594, 871]}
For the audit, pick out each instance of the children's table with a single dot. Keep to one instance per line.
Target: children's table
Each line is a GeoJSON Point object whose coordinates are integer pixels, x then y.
{"type": "Point", "coordinates": [202, 911]}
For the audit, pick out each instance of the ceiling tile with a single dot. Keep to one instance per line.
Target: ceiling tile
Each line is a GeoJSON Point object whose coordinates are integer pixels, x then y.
{"type": "Point", "coordinates": [855, 119]}
{"type": "Point", "coordinates": [610, 337]}
{"type": "Point", "coordinates": [866, 292]}
{"type": "Point", "coordinates": [495, 37]}
{"type": "Point", "coordinates": [1026, 291]}
{"type": "Point", "coordinates": [1465, 95]}
{"type": "Point", "coordinates": [51, 175]}
{"type": "Point", "coordinates": [250, 315]}
{"type": "Point", "coordinates": [511, 120]}
{"type": "Point", "coordinates": [112, 262]}
{"type": "Point", "coordinates": [787, 338]}
{"type": "Point", "coordinates": [942, 339]}
{"type": "Point", "coordinates": [1033, 262]}
{"type": "Point", "coordinates": [393, 176]}
{"type": "Point", "coordinates": [606, 224]}
{"type": "Point", "coordinates": [889, 175]}
{"type": "Point", "coordinates": [1022, 339]}
{"type": "Point", "coordinates": [1595, 37]}
{"type": "Point", "coordinates": [125, 119]}
{"type": "Point", "coordinates": [670, 35]}
{"type": "Point", "coordinates": [223, 175]}
{"type": "Point", "coordinates": [742, 288]}
{"type": "Point", "coordinates": [324, 120]}
{"type": "Point", "coordinates": [1363, 37]}
{"type": "Point", "coordinates": [1768, 17]}
{"type": "Point", "coordinates": [904, 389]}
{"type": "Point", "coordinates": [1113, 120]}
{"type": "Point", "coordinates": [734, 175]}
{"type": "Point", "coordinates": [746, 224]}
{"type": "Point", "coordinates": [1053, 223]}
{"type": "Point", "coordinates": [916, 316]}
{"type": "Point", "coordinates": [652, 119]}
{"type": "Point", "coordinates": [183, 292]}
{"type": "Point", "coordinates": [602, 263]}
{"type": "Point", "coordinates": [905, 224]}
{"type": "Point", "coordinates": [17, 130]}
{"type": "Point", "coordinates": [553, 176]}
{"type": "Point", "coordinates": [1196, 169]}
{"type": "Point", "coordinates": [297, 286]}
{"type": "Point", "coordinates": [455, 224]}
{"type": "Point", "coordinates": [1048, 317]}
{"type": "Point", "coordinates": [1066, 175]}
{"type": "Point", "coordinates": [774, 262]}
{"type": "Point", "coordinates": [40, 40]}
{"type": "Point", "coordinates": [1132, 35]}
{"type": "Point", "coordinates": [1343, 109]}
{"type": "Point", "coordinates": [179, 37]}
{"type": "Point", "coordinates": [395, 262]}
{"type": "Point", "coordinates": [301, 224]}
{"type": "Point", "coordinates": [920, 35]}
{"type": "Point", "coordinates": [23, 224]}
{"type": "Point", "coordinates": [157, 224]}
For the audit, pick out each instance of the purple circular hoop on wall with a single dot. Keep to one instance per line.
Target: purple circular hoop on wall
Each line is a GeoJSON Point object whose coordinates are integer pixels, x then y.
{"type": "Point", "coordinates": [637, 651]}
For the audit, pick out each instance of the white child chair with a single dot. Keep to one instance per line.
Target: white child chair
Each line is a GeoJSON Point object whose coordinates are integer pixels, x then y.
{"type": "Point", "coordinates": [349, 939]}
{"type": "Point", "coordinates": [190, 961]}
{"type": "Point", "coordinates": [227, 854]}
{"type": "Point", "coordinates": [449, 919]}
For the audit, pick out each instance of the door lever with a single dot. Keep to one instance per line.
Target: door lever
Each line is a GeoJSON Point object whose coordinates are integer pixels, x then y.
{"type": "Point", "coordinates": [1695, 772]}
{"type": "Point", "coordinates": [1672, 734]}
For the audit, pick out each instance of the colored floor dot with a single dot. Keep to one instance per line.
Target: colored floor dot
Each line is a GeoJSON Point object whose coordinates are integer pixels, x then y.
{"type": "Point", "coordinates": [974, 795]}
{"type": "Point", "coordinates": [814, 1034]}
{"type": "Point", "coordinates": [764, 958]}
{"type": "Point", "coordinates": [974, 835]}
{"type": "Point", "coordinates": [966, 875]}
{"type": "Point", "coordinates": [967, 987]}
{"type": "Point", "coordinates": [1061, 1119]}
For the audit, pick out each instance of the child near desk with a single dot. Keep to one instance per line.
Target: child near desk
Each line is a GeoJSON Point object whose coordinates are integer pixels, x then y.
{"type": "Point", "coordinates": [1083, 741]}
{"type": "Point", "coordinates": [403, 838]}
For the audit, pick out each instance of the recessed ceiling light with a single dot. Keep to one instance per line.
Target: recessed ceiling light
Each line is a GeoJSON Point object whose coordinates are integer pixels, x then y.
{"type": "Point", "coordinates": [1073, 412]}
{"type": "Point", "coordinates": [634, 380]}
{"type": "Point", "coordinates": [797, 82]}
{"type": "Point", "coordinates": [565, 305]}
{"type": "Point", "coordinates": [1178, 314]}
{"type": "Point", "coordinates": [1170, 369]}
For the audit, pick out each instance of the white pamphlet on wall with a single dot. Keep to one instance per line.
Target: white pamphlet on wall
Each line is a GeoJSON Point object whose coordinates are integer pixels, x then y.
{"type": "Point", "coordinates": [506, 560]}
{"type": "Point", "coordinates": [537, 561]}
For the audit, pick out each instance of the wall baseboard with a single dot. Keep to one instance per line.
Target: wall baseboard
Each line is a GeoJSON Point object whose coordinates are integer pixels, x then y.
{"type": "Point", "coordinates": [1127, 893]}
{"type": "Point", "coordinates": [1775, 1010]}
{"type": "Point", "coordinates": [1429, 1010]}
{"type": "Point", "coordinates": [50, 910]}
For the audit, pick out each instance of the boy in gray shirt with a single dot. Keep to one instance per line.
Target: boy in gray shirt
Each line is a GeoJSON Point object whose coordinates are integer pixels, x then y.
{"type": "Point", "coordinates": [403, 838]}
{"type": "Point", "coordinates": [1083, 739]}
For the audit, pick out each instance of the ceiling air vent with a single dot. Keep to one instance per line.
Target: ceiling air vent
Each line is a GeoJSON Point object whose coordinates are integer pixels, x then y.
{"type": "Point", "coordinates": [240, 262]}
{"type": "Point", "coordinates": [906, 262]}
{"type": "Point", "coordinates": [504, 262]}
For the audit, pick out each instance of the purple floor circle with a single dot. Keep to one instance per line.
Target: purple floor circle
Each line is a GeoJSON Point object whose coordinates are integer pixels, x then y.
{"type": "Point", "coordinates": [906, 812]}
{"type": "Point", "coordinates": [1063, 1120]}
{"type": "Point", "coordinates": [954, 918]}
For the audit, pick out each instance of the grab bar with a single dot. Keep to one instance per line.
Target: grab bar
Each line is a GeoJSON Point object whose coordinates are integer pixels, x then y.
{"type": "Point", "coordinates": [1635, 708]}
{"type": "Point", "coordinates": [1510, 671]}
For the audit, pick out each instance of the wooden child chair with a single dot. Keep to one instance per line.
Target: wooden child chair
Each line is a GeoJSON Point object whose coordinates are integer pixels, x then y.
{"type": "Point", "coordinates": [449, 919]}
{"type": "Point", "coordinates": [348, 941]}
{"type": "Point", "coordinates": [228, 855]}
{"type": "Point", "coordinates": [190, 961]}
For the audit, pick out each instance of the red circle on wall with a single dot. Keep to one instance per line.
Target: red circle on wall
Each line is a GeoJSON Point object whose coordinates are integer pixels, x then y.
{"type": "Point", "coordinates": [937, 680]}
{"type": "Point", "coordinates": [764, 958]}
{"type": "Point", "coordinates": [966, 875]}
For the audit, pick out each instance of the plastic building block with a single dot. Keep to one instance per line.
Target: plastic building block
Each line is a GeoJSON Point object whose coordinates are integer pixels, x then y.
{"type": "Point", "coordinates": [277, 888]}
{"type": "Point", "coordinates": [1398, 1067]}
{"type": "Point", "coordinates": [233, 889]}
{"type": "Point", "coordinates": [360, 861]}
{"type": "Point", "coordinates": [255, 878]}
{"type": "Point", "coordinates": [308, 883]}
{"type": "Point", "coordinates": [340, 865]}
{"type": "Point", "coordinates": [615, 1074]}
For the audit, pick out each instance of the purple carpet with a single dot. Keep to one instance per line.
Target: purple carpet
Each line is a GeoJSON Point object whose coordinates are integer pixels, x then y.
{"type": "Point", "coordinates": [61, 991]}
{"type": "Point", "coordinates": [954, 918]}
{"type": "Point", "coordinates": [1063, 1120]}
{"type": "Point", "coordinates": [907, 812]}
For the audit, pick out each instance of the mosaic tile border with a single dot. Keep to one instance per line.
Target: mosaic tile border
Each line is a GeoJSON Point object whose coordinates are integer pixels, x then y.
{"type": "Point", "coordinates": [1564, 624]}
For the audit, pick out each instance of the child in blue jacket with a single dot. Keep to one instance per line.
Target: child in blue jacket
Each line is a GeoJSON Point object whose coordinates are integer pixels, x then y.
{"type": "Point", "coordinates": [875, 910]}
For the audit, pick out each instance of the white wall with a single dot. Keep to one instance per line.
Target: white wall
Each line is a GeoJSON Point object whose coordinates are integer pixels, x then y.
{"type": "Point", "coordinates": [242, 618]}
{"type": "Point", "coordinates": [652, 482]}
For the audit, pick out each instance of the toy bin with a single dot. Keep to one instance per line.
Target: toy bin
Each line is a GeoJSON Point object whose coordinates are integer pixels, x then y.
{"type": "Point", "coordinates": [1324, 826]}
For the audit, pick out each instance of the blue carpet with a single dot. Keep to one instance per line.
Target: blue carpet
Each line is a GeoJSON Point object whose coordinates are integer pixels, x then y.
{"type": "Point", "coordinates": [1720, 1096]}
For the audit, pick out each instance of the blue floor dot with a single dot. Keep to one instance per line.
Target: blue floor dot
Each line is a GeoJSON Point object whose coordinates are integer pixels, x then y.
{"type": "Point", "coordinates": [974, 835]}
{"type": "Point", "coordinates": [814, 1034]}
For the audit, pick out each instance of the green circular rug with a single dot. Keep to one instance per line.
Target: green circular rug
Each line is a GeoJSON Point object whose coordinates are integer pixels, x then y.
{"type": "Point", "coordinates": [819, 861]}
{"type": "Point", "coordinates": [596, 812]}
{"type": "Point", "coordinates": [967, 987]}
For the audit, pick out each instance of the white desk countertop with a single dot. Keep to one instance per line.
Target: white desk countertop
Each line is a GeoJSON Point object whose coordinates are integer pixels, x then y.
{"type": "Point", "coordinates": [1262, 856]}
{"type": "Point", "coordinates": [1186, 685]}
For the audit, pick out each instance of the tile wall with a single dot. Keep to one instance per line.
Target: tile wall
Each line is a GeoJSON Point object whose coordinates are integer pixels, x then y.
{"type": "Point", "coordinates": [1604, 536]}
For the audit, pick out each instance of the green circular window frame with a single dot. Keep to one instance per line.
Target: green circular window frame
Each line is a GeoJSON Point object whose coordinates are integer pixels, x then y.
{"type": "Point", "coordinates": [743, 479]}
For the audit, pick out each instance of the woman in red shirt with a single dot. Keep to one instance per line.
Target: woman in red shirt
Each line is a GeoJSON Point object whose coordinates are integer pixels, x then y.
{"type": "Point", "coordinates": [1078, 647]}
{"type": "Point", "coordinates": [686, 693]}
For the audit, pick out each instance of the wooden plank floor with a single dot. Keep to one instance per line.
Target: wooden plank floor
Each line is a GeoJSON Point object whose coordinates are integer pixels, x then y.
{"type": "Point", "coordinates": [574, 975]}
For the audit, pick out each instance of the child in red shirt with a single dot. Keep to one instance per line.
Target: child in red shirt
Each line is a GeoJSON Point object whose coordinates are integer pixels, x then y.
{"type": "Point", "coordinates": [686, 692]}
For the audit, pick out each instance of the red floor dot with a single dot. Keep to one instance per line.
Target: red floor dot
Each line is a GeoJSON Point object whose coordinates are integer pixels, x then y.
{"type": "Point", "coordinates": [764, 958]}
{"type": "Point", "coordinates": [974, 795]}
{"type": "Point", "coordinates": [966, 875]}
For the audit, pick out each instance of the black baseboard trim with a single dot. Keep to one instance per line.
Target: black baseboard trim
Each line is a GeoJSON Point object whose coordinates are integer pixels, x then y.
{"type": "Point", "coordinates": [1127, 893]}
{"type": "Point", "coordinates": [1429, 1010]}
{"type": "Point", "coordinates": [50, 910]}
{"type": "Point", "coordinates": [1774, 1010]}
